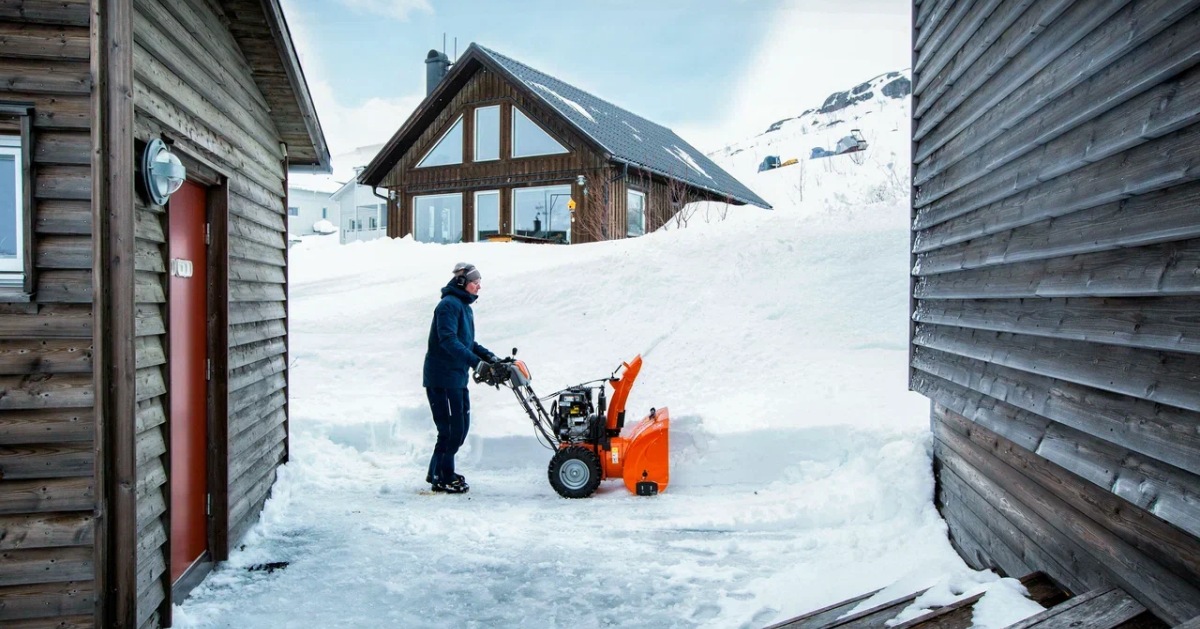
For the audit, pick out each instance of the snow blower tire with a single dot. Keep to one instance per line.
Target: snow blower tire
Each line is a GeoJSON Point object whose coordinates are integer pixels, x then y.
{"type": "Point", "coordinates": [575, 472]}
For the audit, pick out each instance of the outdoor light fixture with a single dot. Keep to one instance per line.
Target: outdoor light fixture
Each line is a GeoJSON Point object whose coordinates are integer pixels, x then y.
{"type": "Point", "coordinates": [162, 172]}
{"type": "Point", "coordinates": [581, 180]}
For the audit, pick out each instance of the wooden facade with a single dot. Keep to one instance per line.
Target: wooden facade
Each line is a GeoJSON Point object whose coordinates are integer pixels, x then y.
{"type": "Point", "coordinates": [85, 357]}
{"type": "Point", "coordinates": [600, 212]}
{"type": "Point", "coordinates": [1056, 287]}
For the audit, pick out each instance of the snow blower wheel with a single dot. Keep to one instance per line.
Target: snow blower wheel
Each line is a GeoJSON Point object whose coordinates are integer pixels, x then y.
{"type": "Point", "coordinates": [575, 472]}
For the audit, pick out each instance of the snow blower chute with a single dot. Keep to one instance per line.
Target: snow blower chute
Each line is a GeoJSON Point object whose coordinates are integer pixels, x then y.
{"type": "Point", "coordinates": [587, 431]}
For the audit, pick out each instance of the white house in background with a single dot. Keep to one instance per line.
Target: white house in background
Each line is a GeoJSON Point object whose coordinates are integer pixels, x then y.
{"type": "Point", "coordinates": [363, 214]}
{"type": "Point", "coordinates": [337, 203]}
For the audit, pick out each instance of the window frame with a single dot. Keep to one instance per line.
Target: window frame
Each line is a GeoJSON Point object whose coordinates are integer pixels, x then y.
{"type": "Point", "coordinates": [512, 150]}
{"type": "Point", "coordinates": [413, 212]}
{"type": "Point", "coordinates": [629, 192]}
{"type": "Point", "coordinates": [458, 123]}
{"type": "Point", "coordinates": [16, 121]}
{"type": "Point", "coordinates": [475, 210]}
{"type": "Point", "coordinates": [475, 133]}
{"type": "Point", "coordinates": [293, 207]}
{"type": "Point", "coordinates": [514, 206]}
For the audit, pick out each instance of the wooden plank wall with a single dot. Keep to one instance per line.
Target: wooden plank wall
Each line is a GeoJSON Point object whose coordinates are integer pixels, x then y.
{"type": "Point", "coordinates": [47, 420]}
{"type": "Point", "coordinates": [1056, 249]}
{"type": "Point", "coordinates": [193, 86]}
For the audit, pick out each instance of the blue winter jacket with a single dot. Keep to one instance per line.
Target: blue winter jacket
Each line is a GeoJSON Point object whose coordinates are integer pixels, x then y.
{"type": "Point", "coordinates": [452, 347]}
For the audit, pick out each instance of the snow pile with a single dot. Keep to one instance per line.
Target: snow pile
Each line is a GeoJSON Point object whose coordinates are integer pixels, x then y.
{"type": "Point", "coordinates": [800, 464]}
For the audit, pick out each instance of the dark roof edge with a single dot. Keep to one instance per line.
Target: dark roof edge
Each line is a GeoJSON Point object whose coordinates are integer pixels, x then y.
{"type": "Point", "coordinates": [753, 199]}
{"type": "Point", "coordinates": [291, 64]}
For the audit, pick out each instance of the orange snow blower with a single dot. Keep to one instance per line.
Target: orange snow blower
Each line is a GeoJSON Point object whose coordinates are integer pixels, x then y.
{"type": "Point", "coordinates": [588, 439]}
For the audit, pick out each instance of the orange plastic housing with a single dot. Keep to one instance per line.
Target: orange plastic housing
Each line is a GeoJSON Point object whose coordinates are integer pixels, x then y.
{"type": "Point", "coordinates": [642, 453]}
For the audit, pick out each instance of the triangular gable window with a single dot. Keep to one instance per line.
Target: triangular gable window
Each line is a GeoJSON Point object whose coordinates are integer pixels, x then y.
{"type": "Point", "coordinates": [529, 139]}
{"type": "Point", "coordinates": [448, 150]}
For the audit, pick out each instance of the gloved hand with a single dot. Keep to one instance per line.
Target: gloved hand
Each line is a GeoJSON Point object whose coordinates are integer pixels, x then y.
{"type": "Point", "coordinates": [483, 371]}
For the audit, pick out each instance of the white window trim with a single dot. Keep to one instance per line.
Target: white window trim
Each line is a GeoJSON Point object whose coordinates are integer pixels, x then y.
{"type": "Point", "coordinates": [12, 271]}
{"type": "Point", "coordinates": [413, 222]}
{"type": "Point", "coordinates": [475, 132]}
{"type": "Point", "coordinates": [513, 149]}
{"type": "Point", "coordinates": [643, 195]}
{"type": "Point", "coordinates": [421, 164]}
{"type": "Point", "coordinates": [475, 211]}
{"type": "Point", "coordinates": [514, 206]}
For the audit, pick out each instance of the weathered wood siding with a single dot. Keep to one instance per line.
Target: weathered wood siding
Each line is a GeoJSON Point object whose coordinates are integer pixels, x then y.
{"type": "Point", "coordinates": [1056, 266]}
{"type": "Point", "coordinates": [47, 421]}
{"type": "Point", "coordinates": [193, 86]}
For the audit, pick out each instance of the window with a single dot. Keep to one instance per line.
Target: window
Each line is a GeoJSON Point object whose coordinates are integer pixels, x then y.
{"type": "Point", "coordinates": [324, 212]}
{"type": "Point", "coordinates": [528, 139]}
{"type": "Point", "coordinates": [487, 133]}
{"type": "Point", "coordinates": [542, 213]}
{"type": "Point", "coordinates": [371, 223]}
{"type": "Point", "coordinates": [448, 150]}
{"type": "Point", "coordinates": [383, 212]}
{"type": "Point", "coordinates": [13, 219]}
{"type": "Point", "coordinates": [293, 211]}
{"type": "Point", "coordinates": [487, 214]}
{"type": "Point", "coordinates": [635, 213]}
{"type": "Point", "coordinates": [438, 218]}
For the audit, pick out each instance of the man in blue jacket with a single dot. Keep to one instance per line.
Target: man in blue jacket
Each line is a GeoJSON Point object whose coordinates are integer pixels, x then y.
{"type": "Point", "coordinates": [452, 352]}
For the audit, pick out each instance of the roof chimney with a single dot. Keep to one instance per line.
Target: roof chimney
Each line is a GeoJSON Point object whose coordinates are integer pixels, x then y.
{"type": "Point", "coordinates": [437, 64]}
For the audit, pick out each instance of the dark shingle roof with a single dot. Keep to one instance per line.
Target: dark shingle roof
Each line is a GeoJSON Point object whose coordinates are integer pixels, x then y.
{"type": "Point", "coordinates": [627, 137]}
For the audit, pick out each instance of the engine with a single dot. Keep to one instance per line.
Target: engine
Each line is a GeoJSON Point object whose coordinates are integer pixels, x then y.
{"type": "Point", "coordinates": [574, 415]}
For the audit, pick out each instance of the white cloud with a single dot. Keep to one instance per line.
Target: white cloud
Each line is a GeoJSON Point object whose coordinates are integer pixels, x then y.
{"type": "Point", "coordinates": [397, 9]}
{"type": "Point", "coordinates": [346, 126]}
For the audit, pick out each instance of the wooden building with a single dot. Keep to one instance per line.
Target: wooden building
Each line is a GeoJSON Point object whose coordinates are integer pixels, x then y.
{"type": "Point", "coordinates": [498, 149]}
{"type": "Point", "coordinates": [143, 347]}
{"type": "Point", "coordinates": [1056, 287]}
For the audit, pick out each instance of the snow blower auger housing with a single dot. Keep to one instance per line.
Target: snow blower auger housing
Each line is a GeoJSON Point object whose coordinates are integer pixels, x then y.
{"type": "Point", "coordinates": [588, 434]}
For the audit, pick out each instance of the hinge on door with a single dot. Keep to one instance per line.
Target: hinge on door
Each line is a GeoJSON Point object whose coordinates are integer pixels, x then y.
{"type": "Point", "coordinates": [208, 369]}
{"type": "Point", "coordinates": [208, 233]}
{"type": "Point", "coordinates": [208, 504]}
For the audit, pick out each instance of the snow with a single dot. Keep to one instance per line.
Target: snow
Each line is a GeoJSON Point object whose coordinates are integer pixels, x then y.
{"type": "Point", "coordinates": [323, 226]}
{"type": "Point", "coordinates": [686, 158]}
{"type": "Point", "coordinates": [570, 103]}
{"type": "Point", "coordinates": [800, 464]}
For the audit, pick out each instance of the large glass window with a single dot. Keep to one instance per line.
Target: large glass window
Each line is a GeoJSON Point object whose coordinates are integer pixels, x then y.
{"type": "Point", "coordinates": [448, 150]}
{"type": "Point", "coordinates": [487, 214]}
{"type": "Point", "coordinates": [528, 139]}
{"type": "Point", "coordinates": [635, 213]}
{"type": "Point", "coordinates": [437, 218]}
{"type": "Point", "coordinates": [542, 213]}
{"type": "Point", "coordinates": [487, 133]}
{"type": "Point", "coordinates": [12, 215]}
{"type": "Point", "coordinates": [293, 210]}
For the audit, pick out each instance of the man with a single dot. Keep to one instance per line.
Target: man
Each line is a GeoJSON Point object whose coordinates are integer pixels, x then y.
{"type": "Point", "coordinates": [452, 352]}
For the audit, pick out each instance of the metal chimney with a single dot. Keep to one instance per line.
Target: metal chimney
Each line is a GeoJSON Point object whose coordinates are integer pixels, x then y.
{"type": "Point", "coordinates": [437, 64]}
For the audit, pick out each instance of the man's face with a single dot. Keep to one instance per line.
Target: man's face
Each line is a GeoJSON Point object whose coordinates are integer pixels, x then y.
{"type": "Point", "coordinates": [473, 287]}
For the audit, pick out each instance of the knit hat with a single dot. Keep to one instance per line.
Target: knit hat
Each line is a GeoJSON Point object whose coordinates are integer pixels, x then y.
{"type": "Point", "coordinates": [467, 271]}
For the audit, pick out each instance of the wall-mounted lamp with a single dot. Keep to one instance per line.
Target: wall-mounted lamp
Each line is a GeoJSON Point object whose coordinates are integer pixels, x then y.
{"type": "Point", "coordinates": [581, 180]}
{"type": "Point", "coordinates": [162, 172]}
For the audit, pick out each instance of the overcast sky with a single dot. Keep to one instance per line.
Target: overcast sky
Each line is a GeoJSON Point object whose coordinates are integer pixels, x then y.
{"type": "Point", "coordinates": [714, 71]}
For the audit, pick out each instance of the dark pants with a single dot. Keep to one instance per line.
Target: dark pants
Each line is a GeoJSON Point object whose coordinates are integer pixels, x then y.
{"type": "Point", "coordinates": [452, 415]}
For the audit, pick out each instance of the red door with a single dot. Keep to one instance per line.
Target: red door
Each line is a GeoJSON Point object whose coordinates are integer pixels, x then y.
{"type": "Point", "coordinates": [188, 334]}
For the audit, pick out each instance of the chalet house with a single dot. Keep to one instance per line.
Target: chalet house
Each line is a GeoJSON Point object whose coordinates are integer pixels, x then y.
{"type": "Point", "coordinates": [500, 150]}
{"type": "Point", "coordinates": [144, 156]}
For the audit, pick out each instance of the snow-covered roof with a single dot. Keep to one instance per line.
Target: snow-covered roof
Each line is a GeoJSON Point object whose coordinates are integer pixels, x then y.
{"type": "Point", "coordinates": [626, 136]}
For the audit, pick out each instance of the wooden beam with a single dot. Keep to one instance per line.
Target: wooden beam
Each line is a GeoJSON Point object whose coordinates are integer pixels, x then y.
{"type": "Point", "coordinates": [1151, 271]}
{"type": "Point", "coordinates": [42, 495]}
{"type": "Point", "coordinates": [1162, 377]}
{"type": "Point", "coordinates": [25, 531]}
{"type": "Point", "coordinates": [1167, 324]}
{"type": "Point", "coordinates": [1165, 433]}
{"type": "Point", "coordinates": [1062, 499]}
{"type": "Point", "coordinates": [28, 356]}
{"type": "Point", "coordinates": [1146, 219]}
{"type": "Point", "coordinates": [1103, 608]}
{"type": "Point", "coordinates": [42, 600]}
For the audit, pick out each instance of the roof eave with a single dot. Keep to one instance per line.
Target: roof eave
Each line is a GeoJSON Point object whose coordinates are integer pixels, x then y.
{"type": "Point", "coordinates": [756, 201]}
{"type": "Point", "coordinates": [295, 74]}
